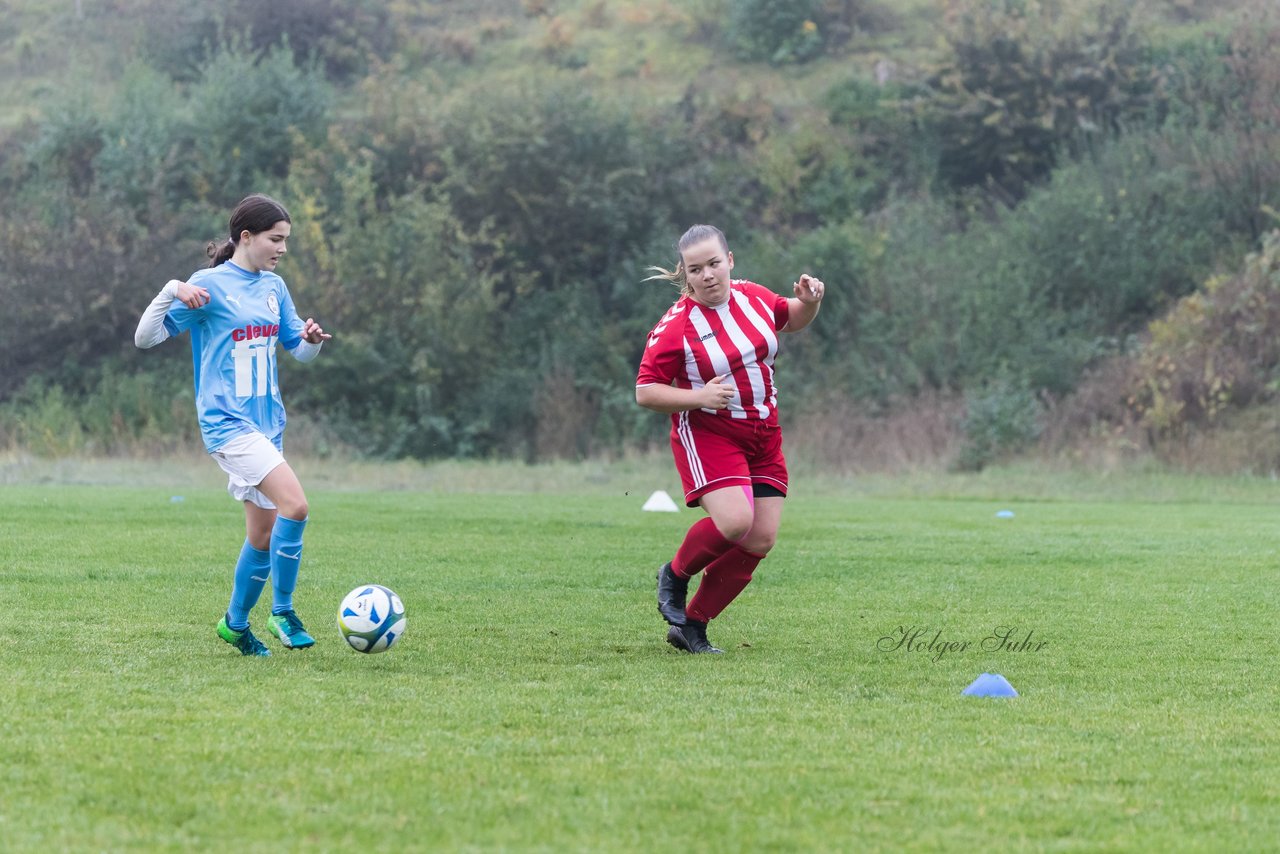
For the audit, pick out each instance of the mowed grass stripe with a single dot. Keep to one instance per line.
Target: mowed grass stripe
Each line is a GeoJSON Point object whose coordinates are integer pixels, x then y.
{"type": "Point", "coordinates": [533, 703]}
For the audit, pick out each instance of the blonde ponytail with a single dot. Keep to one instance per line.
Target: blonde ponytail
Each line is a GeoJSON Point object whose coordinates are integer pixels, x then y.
{"type": "Point", "coordinates": [675, 277]}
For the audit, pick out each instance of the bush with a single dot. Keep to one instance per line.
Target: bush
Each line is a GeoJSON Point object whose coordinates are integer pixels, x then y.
{"type": "Point", "coordinates": [925, 296]}
{"type": "Point", "coordinates": [67, 310]}
{"type": "Point", "coordinates": [1217, 350]}
{"type": "Point", "coordinates": [776, 31]}
{"type": "Point", "coordinates": [896, 147]}
{"type": "Point", "coordinates": [145, 161]}
{"type": "Point", "coordinates": [1021, 85]}
{"type": "Point", "coordinates": [1114, 238]}
{"type": "Point", "coordinates": [1201, 378]}
{"type": "Point", "coordinates": [410, 304]}
{"type": "Point", "coordinates": [449, 332]}
{"type": "Point", "coordinates": [117, 407]}
{"type": "Point", "coordinates": [1002, 417]}
{"type": "Point", "coordinates": [129, 196]}
{"type": "Point", "coordinates": [950, 306]}
{"type": "Point", "coordinates": [1229, 111]}
{"type": "Point", "coordinates": [839, 254]}
{"type": "Point", "coordinates": [795, 31]}
{"type": "Point", "coordinates": [65, 144]}
{"type": "Point", "coordinates": [254, 111]}
{"type": "Point", "coordinates": [341, 36]}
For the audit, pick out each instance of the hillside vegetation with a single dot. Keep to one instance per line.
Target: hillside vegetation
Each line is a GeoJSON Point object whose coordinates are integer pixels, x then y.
{"type": "Point", "coordinates": [1002, 196]}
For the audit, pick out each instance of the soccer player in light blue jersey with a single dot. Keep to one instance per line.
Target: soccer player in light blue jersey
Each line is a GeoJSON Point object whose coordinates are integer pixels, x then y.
{"type": "Point", "coordinates": [237, 310]}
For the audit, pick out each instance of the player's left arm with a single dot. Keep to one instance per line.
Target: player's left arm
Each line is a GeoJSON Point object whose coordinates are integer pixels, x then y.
{"type": "Point", "coordinates": [307, 335]}
{"type": "Point", "coordinates": [803, 307]}
{"type": "Point", "coordinates": [312, 337]}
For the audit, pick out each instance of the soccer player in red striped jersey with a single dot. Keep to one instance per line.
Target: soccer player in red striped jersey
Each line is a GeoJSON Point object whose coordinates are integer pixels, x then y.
{"type": "Point", "coordinates": [709, 365]}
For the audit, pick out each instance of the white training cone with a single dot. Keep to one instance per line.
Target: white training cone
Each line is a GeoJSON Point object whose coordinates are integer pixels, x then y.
{"type": "Point", "coordinates": [661, 503]}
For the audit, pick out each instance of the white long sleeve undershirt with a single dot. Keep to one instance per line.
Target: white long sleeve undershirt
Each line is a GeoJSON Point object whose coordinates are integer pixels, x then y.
{"type": "Point", "coordinates": [306, 351]}
{"type": "Point", "coordinates": [151, 329]}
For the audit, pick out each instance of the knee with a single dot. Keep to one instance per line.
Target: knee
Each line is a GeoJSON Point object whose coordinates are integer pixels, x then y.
{"type": "Point", "coordinates": [760, 542]}
{"type": "Point", "coordinates": [735, 526]}
{"type": "Point", "coordinates": [294, 508]}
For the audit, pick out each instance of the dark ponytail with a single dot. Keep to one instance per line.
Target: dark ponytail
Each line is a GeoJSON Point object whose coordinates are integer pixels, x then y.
{"type": "Point", "coordinates": [219, 253]}
{"type": "Point", "coordinates": [254, 214]}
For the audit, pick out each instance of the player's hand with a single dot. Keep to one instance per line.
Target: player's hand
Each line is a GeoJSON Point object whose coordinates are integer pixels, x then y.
{"type": "Point", "coordinates": [809, 289]}
{"type": "Point", "coordinates": [717, 394]}
{"type": "Point", "coordinates": [312, 333]}
{"type": "Point", "coordinates": [192, 296]}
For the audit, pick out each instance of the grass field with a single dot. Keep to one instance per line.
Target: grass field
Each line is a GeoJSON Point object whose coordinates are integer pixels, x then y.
{"type": "Point", "coordinates": [533, 703]}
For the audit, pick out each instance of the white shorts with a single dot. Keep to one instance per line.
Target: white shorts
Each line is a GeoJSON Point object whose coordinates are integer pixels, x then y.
{"type": "Point", "coordinates": [248, 459]}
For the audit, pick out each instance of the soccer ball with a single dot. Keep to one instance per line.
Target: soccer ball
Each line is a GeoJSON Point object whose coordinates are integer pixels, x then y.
{"type": "Point", "coordinates": [371, 618]}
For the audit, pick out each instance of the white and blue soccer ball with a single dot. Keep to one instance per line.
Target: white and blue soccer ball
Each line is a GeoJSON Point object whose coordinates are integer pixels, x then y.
{"type": "Point", "coordinates": [371, 618]}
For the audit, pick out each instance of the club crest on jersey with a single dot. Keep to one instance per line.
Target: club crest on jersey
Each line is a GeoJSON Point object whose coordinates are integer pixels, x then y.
{"type": "Point", "coordinates": [273, 304]}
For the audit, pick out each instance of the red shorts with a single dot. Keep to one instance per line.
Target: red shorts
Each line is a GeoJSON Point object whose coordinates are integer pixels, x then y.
{"type": "Point", "coordinates": [713, 452]}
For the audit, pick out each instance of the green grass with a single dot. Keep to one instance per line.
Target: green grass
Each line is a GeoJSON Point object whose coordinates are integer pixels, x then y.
{"type": "Point", "coordinates": [534, 705]}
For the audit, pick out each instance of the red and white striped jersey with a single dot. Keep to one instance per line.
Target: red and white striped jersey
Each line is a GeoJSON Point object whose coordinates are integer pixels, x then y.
{"type": "Point", "coordinates": [693, 345]}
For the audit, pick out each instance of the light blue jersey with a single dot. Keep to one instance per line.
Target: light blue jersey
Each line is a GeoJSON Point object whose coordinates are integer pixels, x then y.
{"type": "Point", "coordinates": [233, 348]}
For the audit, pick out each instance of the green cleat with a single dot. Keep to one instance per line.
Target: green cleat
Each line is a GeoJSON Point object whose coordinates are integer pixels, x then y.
{"type": "Point", "coordinates": [289, 629]}
{"type": "Point", "coordinates": [242, 640]}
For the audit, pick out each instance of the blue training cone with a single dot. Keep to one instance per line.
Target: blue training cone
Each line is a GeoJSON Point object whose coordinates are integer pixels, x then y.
{"type": "Point", "coordinates": [990, 685]}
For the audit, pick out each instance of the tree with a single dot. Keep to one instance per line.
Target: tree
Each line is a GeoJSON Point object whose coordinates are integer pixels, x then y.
{"type": "Point", "coordinates": [1024, 82]}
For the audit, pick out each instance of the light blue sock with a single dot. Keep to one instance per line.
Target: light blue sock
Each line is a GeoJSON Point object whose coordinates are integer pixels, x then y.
{"type": "Point", "coordinates": [286, 554]}
{"type": "Point", "coordinates": [251, 576]}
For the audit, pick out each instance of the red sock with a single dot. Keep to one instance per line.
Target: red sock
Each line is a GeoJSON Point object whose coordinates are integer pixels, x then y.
{"type": "Point", "coordinates": [724, 579]}
{"type": "Point", "coordinates": [703, 544]}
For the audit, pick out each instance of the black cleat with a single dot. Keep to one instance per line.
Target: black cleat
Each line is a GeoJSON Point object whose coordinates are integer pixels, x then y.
{"type": "Point", "coordinates": [672, 592]}
{"type": "Point", "coordinates": [691, 637]}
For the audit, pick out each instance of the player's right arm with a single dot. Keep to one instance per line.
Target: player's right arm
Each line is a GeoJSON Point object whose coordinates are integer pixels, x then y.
{"type": "Point", "coordinates": [669, 399]}
{"type": "Point", "coordinates": [151, 328]}
{"type": "Point", "coordinates": [664, 360]}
